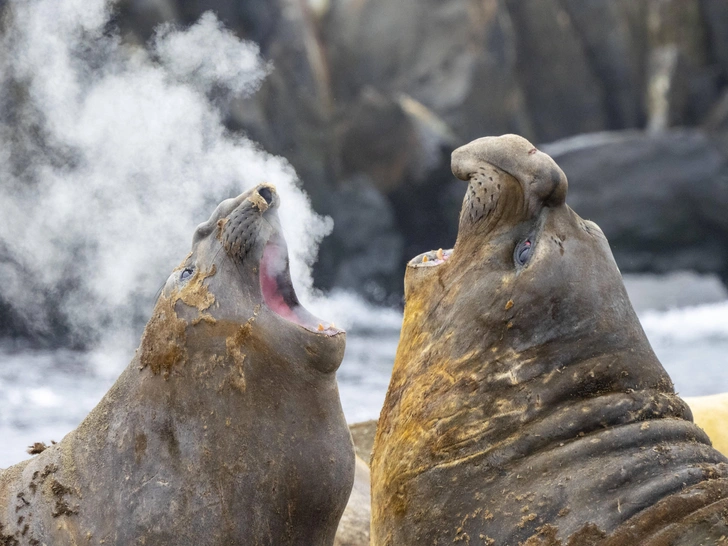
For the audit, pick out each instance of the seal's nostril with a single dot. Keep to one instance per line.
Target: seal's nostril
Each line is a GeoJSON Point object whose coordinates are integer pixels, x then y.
{"type": "Point", "coordinates": [266, 194]}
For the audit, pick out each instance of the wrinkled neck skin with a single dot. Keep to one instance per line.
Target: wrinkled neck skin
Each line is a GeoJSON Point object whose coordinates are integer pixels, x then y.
{"type": "Point", "coordinates": [226, 428]}
{"type": "Point", "coordinates": [510, 380]}
{"type": "Point", "coordinates": [523, 360]}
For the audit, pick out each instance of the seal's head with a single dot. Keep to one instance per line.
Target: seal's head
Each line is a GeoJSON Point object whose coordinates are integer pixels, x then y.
{"type": "Point", "coordinates": [236, 283]}
{"type": "Point", "coordinates": [527, 273]}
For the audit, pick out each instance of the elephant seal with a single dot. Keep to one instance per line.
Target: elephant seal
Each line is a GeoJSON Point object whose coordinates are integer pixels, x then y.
{"type": "Point", "coordinates": [526, 406]}
{"type": "Point", "coordinates": [226, 428]}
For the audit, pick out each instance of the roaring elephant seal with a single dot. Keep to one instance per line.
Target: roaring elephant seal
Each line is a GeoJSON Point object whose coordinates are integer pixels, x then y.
{"type": "Point", "coordinates": [226, 428]}
{"type": "Point", "coordinates": [526, 406]}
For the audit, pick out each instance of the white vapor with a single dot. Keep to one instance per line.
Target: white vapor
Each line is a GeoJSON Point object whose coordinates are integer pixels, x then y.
{"type": "Point", "coordinates": [115, 154]}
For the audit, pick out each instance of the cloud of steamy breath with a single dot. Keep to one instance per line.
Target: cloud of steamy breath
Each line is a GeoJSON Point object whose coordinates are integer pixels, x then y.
{"type": "Point", "coordinates": [110, 156]}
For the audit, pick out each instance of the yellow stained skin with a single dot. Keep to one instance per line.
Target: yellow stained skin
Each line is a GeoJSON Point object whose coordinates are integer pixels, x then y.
{"type": "Point", "coordinates": [523, 382]}
{"type": "Point", "coordinates": [163, 342]}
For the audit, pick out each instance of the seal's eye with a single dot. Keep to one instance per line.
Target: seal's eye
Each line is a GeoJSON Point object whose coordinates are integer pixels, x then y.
{"type": "Point", "coordinates": [186, 274]}
{"type": "Point", "coordinates": [523, 252]}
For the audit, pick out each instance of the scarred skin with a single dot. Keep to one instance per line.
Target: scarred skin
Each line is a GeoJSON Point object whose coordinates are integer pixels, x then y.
{"type": "Point", "coordinates": [526, 405]}
{"type": "Point", "coordinates": [225, 429]}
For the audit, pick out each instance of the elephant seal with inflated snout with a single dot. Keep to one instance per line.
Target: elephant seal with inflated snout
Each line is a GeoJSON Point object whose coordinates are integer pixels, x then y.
{"type": "Point", "coordinates": [526, 406]}
{"type": "Point", "coordinates": [226, 428]}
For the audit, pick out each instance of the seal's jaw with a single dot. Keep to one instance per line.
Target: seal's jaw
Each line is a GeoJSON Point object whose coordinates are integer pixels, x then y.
{"type": "Point", "coordinates": [243, 238]}
{"type": "Point", "coordinates": [252, 237]}
{"type": "Point", "coordinates": [277, 289]}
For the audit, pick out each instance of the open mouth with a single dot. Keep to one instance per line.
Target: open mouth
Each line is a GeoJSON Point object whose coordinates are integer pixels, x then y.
{"type": "Point", "coordinates": [278, 292]}
{"type": "Point", "coordinates": [431, 259]}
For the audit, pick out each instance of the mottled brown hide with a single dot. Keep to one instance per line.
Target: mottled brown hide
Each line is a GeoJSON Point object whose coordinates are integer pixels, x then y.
{"type": "Point", "coordinates": [226, 427]}
{"type": "Point", "coordinates": [526, 405]}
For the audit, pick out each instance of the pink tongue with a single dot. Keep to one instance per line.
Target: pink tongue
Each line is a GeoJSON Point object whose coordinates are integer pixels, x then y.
{"type": "Point", "coordinates": [272, 297]}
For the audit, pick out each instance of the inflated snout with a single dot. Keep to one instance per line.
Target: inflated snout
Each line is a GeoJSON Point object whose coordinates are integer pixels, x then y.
{"type": "Point", "coordinates": [542, 180]}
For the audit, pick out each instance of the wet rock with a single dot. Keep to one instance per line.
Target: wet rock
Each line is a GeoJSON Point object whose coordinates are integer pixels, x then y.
{"type": "Point", "coordinates": [613, 38]}
{"type": "Point", "coordinates": [336, 104]}
{"type": "Point", "coordinates": [291, 114]}
{"type": "Point", "coordinates": [382, 92]}
{"type": "Point", "coordinates": [367, 243]}
{"type": "Point", "coordinates": [715, 15]}
{"type": "Point", "coordinates": [378, 140]}
{"type": "Point", "coordinates": [659, 198]}
{"type": "Point", "coordinates": [682, 78]}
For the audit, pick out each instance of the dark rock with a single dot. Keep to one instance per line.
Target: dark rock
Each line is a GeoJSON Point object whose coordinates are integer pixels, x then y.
{"type": "Point", "coordinates": [715, 15]}
{"type": "Point", "coordinates": [457, 58]}
{"type": "Point", "coordinates": [291, 114]}
{"type": "Point", "coordinates": [366, 241]}
{"type": "Point", "coordinates": [378, 139]}
{"type": "Point", "coordinates": [336, 104]}
{"type": "Point", "coordinates": [683, 80]}
{"type": "Point", "coordinates": [718, 117]}
{"type": "Point", "coordinates": [397, 188]}
{"type": "Point", "coordinates": [563, 94]}
{"type": "Point", "coordinates": [659, 198]}
{"type": "Point", "coordinates": [427, 211]}
{"type": "Point", "coordinates": [29, 311]}
{"type": "Point", "coordinates": [614, 36]}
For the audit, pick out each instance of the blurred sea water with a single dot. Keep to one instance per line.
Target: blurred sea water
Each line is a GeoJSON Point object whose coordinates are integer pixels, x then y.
{"type": "Point", "coordinates": [45, 394]}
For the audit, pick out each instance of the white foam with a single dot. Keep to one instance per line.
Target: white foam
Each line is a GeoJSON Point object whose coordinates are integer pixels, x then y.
{"type": "Point", "coordinates": [350, 311]}
{"type": "Point", "coordinates": [701, 322]}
